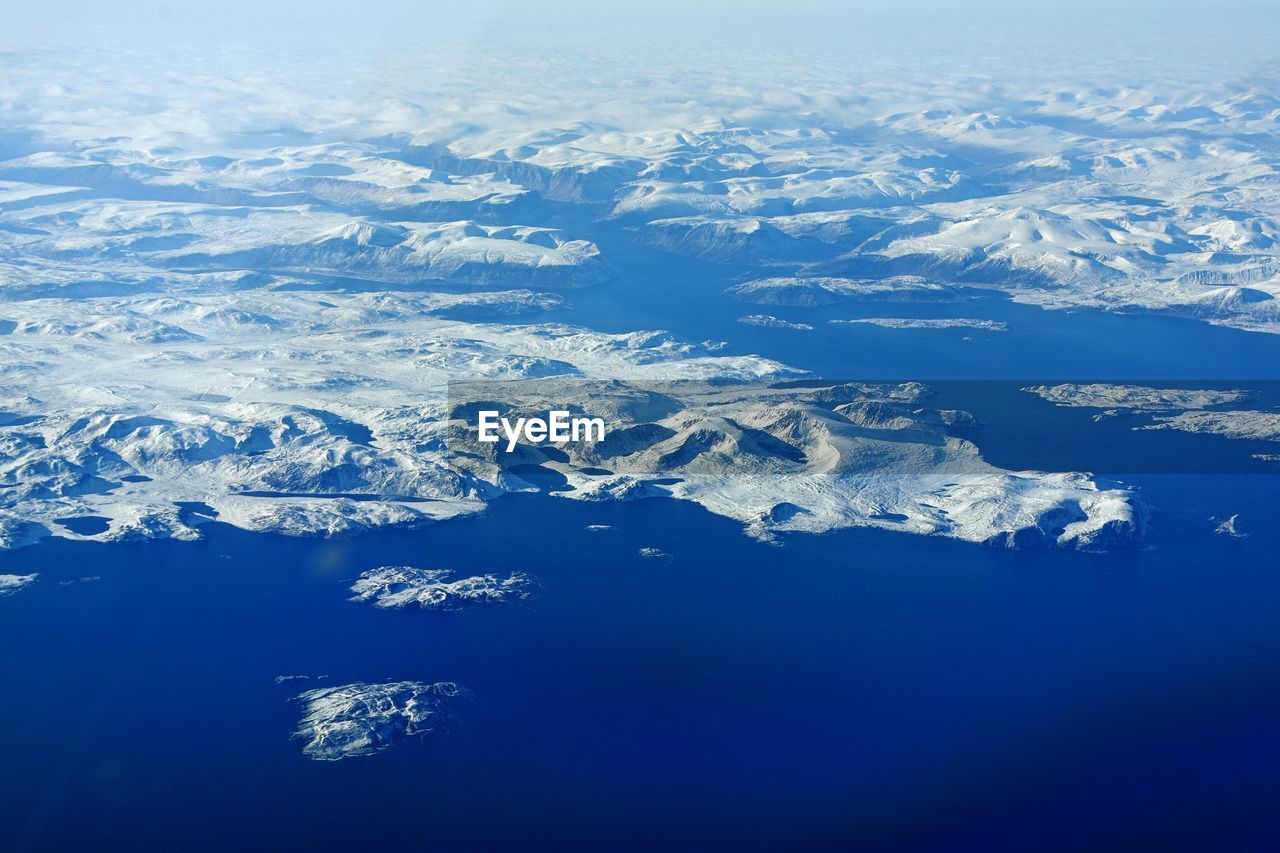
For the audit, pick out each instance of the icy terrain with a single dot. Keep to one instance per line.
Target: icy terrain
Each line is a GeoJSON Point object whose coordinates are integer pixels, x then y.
{"type": "Point", "coordinates": [948, 323]}
{"type": "Point", "coordinates": [239, 297]}
{"type": "Point", "coordinates": [393, 587]}
{"type": "Point", "coordinates": [362, 719]}
{"type": "Point", "coordinates": [1186, 410]}
{"type": "Point", "coordinates": [277, 411]}
{"type": "Point", "coordinates": [1077, 180]}
{"type": "Point", "coordinates": [795, 459]}
{"type": "Point", "coordinates": [9, 584]}
{"type": "Point", "coordinates": [1264, 426]}
{"type": "Point", "coordinates": [1140, 398]}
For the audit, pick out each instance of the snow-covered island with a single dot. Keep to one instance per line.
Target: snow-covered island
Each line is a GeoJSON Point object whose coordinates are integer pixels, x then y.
{"type": "Point", "coordinates": [769, 321]}
{"type": "Point", "coordinates": [1138, 398]}
{"type": "Point", "coordinates": [1185, 410]}
{"type": "Point", "coordinates": [932, 323]}
{"type": "Point", "coordinates": [9, 584]}
{"type": "Point", "coordinates": [394, 587]}
{"type": "Point", "coordinates": [1257, 426]}
{"type": "Point", "coordinates": [362, 719]}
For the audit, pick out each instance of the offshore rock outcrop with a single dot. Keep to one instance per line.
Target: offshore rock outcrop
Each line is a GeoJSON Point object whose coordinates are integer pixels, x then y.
{"type": "Point", "coordinates": [362, 719]}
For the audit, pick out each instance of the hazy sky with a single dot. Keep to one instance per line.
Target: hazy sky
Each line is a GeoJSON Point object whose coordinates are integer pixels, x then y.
{"type": "Point", "coordinates": [1241, 32]}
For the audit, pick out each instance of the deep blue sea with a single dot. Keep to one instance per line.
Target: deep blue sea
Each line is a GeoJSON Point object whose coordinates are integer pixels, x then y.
{"type": "Point", "coordinates": [858, 688]}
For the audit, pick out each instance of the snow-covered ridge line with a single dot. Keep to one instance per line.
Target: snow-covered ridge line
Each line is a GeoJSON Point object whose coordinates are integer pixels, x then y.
{"type": "Point", "coordinates": [807, 459]}
{"type": "Point", "coordinates": [1167, 203]}
{"type": "Point", "coordinates": [281, 412]}
{"type": "Point", "coordinates": [331, 418]}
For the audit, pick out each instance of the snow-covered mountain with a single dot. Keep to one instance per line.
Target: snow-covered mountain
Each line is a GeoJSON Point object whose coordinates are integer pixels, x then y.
{"type": "Point", "coordinates": [241, 296]}
{"type": "Point", "coordinates": [783, 458]}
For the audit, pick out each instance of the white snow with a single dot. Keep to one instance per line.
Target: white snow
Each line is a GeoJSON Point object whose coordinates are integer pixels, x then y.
{"type": "Point", "coordinates": [1229, 527]}
{"type": "Point", "coordinates": [273, 408]}
{"type": "Point", "coordinates": [1143, 398]}
{"type": "Point", "coordinates": [1258, 426]}
{"type": "Point", "coordinates": [363, 719]}
{"type": "Point", "coordinates": [769, 321]}
{"type": "Point", "coordinates": [914, 323]}
{"type": "Point", "coordinates": [393, 587]}
{"type": "Point", "coordinates": [215, 288]}
{"type": "Point", "coordinates": [807, 459]}
{"type": "Point", "coordinates": [9, 584]}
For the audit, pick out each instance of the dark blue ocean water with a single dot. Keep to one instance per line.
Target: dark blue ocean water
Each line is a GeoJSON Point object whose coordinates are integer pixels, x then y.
{"type": "Point", "coordinates": [859, 686]}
